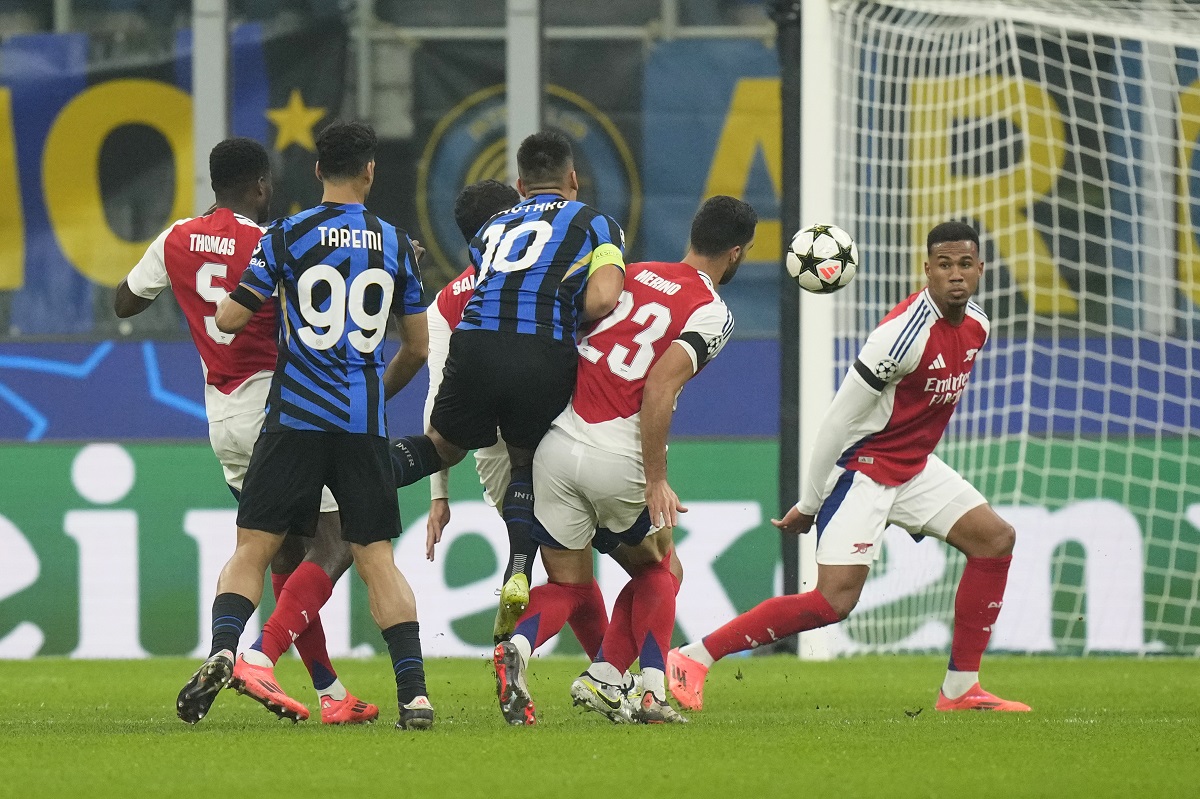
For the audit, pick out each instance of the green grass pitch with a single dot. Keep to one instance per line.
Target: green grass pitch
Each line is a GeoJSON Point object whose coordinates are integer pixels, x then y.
{"type": "Point", "coordinates": [774, 726]}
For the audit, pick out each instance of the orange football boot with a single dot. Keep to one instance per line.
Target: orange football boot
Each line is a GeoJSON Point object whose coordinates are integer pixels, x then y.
{"type": "Point", "coordinates": [258, 683]}
{"type": "Point", "coordinates": [978, 699]}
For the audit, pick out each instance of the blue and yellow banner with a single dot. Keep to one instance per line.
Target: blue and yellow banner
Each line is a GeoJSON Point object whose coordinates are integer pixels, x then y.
{"type": "Point", "coordinates": [96, 159]}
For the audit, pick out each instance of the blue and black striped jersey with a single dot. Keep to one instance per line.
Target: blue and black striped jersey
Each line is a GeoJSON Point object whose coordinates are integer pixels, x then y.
{"type": "Point", "coordinates": [533, 262]}
{"type": "Point", "coordinates": [340, 273]}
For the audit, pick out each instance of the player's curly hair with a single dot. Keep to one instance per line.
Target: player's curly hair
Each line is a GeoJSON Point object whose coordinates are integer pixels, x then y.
{"type": "Point", "coordinates": [234, 164]}
{"type": "Point", "coordinates": [479, 202]}
{"type": "Point", "coordinates": [544, 158]}
{"type": "Point", "coordinates": [950, 231]}
{"type": "Point", "coordinates": [722, 223]}
{"type": "Point", "coordinates": [344, 149]}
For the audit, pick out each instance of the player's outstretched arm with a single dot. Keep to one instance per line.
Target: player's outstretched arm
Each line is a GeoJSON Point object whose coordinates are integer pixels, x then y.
{"type": "Point", "coordinates": [414, 352]}
{"type": "Point", "coordinates": [236, 310]}
{"type": "Point", "coordinates": [127, 304]}
{"type": "Point", "coordinates": [663, 384]}
{"type": "Point", "coordinates": [852, 403]}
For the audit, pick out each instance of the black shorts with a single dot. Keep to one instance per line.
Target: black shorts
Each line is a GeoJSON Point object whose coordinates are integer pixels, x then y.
{"type": "Point", "coordinates": [515, 381]}
{"type": "Point", "coordinates": [282, 490]}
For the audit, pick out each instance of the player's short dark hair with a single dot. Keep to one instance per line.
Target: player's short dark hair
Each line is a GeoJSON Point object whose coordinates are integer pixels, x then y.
{"type": "Point", "coordinates": [479, 202]}
{"type": "Point", "coordinates": [344, 149]}
{"type": "Point", "coordinates": [721, 223]}
{"type": "Point", "coordinates": [234, 164]}
{"type": "Point", "coordinates": [544, 158]}
{"type": "Point", "coordinates": [950, 231]}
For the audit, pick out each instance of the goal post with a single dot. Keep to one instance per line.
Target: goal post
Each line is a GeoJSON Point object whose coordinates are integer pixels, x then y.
{"type": "Point", "coordinates": [1068, 133]}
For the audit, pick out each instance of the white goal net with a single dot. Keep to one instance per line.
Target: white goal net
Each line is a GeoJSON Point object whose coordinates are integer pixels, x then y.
{"type": "Point", "coordinates": [1068, 132]}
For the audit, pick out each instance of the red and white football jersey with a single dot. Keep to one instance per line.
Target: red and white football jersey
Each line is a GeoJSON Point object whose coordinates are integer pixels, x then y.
{"type": "Point", "coordinates": [202, 260]}
{"type": "Point", "coordinates": [662, 303]}
{"type": "Point", "coordinates": [918, 363]}
{"type": "Point", "coordinates": [454, 297]}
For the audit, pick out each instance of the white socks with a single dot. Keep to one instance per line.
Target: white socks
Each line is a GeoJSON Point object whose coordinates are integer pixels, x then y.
{"type": "Point", "coordinates": [335, 691]}
{"type": "Point", "coordinates": [605, 672]}
{"type": "Point", "coordinates": [256, 658]}
{"type": "Point", "coordinates": [523, 647]}
{"type": "Point", "coordinates": [654, 682]}
{"type": "Point", "coordinates": [958, 683]}
{"type": "Point", "coordinates": [698, 653]}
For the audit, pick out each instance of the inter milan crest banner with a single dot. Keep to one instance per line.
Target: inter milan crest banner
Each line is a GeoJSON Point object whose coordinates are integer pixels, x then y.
{"type": "Point", "coordinates": [96, 160]}
{"type": "Point", "coordinates": [593, 95]}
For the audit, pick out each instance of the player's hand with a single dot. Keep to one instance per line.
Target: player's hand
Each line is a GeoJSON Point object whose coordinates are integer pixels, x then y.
{"type": "Point", "coordinates": [663, 505]}
{"type": "Point", "coordinates": [439, 517]}
{"type": "Point", "coordinates": [794, 522]}
{"type": "Point", "coordinates": [418, 250]}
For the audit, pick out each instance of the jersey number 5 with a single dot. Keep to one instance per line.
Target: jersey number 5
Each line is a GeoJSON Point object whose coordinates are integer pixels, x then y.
{"type": "Point", "coordinates": [654, 319]}
{"type": "Point", "coordinates": [214, 294]}
{"type": "Point", "coordinates": [344, 301]}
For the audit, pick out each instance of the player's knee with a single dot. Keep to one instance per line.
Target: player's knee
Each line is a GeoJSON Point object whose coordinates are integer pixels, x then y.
{"type": "Point", "coordinates": [333, 558]}
{"type": "Point", "coordinates": [1003, 539]}
{"type": "Point", "coordinates": [842, 603]}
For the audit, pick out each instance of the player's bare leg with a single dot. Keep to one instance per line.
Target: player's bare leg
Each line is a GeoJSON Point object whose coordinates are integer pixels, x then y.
{"type": "Point", "coordinates": [239, 590]}
{"type": "Point", "coordinates": [987, 541]}
{"type": "Point", "coordinates": [394, 609]}
{"type": "Point", "coordinates": [836, 594]}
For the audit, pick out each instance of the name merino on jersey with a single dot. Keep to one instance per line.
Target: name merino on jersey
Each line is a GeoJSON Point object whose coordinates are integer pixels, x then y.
{"type": "Point", "coordinates": [663, 304]}
{"type": "Point", "coordinates": [533, 262]}
{"type": "Point", "coordinates": [919, 365]}
{"type": "Point", "coordinates": [341, 272]}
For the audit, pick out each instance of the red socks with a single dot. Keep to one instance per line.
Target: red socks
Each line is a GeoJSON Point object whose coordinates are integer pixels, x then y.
{"type": "Point", "coordinates": [769, 621]}
{"type": "Point", "coordinates": [550, 606]}
{"type": "Point", "coordinates": [300, 600]}
{"type": "Point", "coordinates": [590, 619]}
{"type": "Point", "coordinates": [643, 620]}
{"type": "Point", "coordinates": [976, 606]}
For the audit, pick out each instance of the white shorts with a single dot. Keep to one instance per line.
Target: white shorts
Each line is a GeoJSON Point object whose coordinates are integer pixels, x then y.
{"type": "Point", "coordinates": [495, 471]}
{"type": "Point", "coordinates": [857, 509]}
{"type": "Point", "coordinates": [232, 440]}
{"type": "Point", "coordinates": [577, 487]}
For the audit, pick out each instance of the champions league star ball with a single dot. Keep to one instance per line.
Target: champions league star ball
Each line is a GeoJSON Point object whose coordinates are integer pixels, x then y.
{"type": "Point", "coordinates": [822, 258]}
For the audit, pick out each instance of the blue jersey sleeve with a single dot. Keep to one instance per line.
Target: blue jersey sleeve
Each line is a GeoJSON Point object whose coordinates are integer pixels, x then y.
{"type": "Point", "coordinates": [408, 297]}
{"type": "Point", "coordinates": [262, 273]}
{"type": "Point", "coordinates": [608, 243]}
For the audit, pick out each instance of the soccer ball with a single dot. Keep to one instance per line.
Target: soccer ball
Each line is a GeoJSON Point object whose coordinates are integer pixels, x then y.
{"type": "Point", "coordinates": [822, 258]}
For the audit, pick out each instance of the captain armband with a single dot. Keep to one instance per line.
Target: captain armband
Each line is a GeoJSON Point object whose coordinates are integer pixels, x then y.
{"type": "Point", "coordinates": [246, 298]}
{"type": "Point", "coordinates": [606, 254]}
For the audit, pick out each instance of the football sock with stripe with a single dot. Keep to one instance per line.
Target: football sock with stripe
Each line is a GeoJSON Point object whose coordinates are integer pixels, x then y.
{"type": "Point", "coordinates": [518, 517]}
{"type": "Point", "coordinates": [404, 646]}
{"type": "Point", "coordinates": [550, 606]}
{"type": "Point", "coordinates": [769, 621]}
{"type": "Point", "coordinates": [413, 458]}
{"type": "Point", "coordinates": [313, 650]}
{"type": "Point", "coordinates": [303, 596]}
{"type": "Point", "coordinates": [230, 612]}
{"type": "Point", "coordinates": [976, 607]}
{"type": "Point", "coordinates": [653, 618]}
{"type": "Point", "coordinates": [589, 620]}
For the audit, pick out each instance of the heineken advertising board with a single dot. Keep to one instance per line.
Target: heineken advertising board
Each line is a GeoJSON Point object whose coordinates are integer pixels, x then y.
{"type": "Point", "coordinates": [113, 551]}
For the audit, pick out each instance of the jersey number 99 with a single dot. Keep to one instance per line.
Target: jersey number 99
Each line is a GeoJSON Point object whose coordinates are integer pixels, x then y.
{"type": "Point", "coordinates": [344, 302]}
